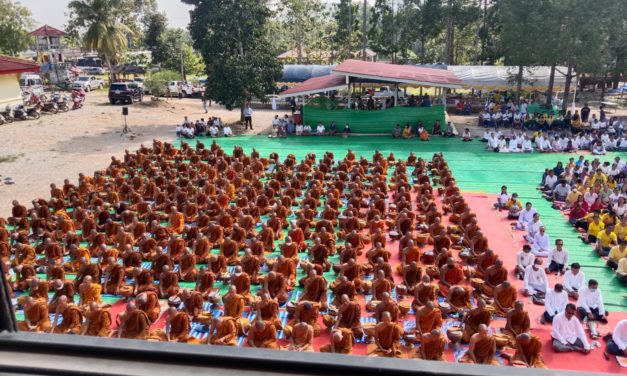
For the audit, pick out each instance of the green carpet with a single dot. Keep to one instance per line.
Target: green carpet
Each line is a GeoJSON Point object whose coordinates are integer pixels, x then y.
{"type": "Point", "coordinates": [380, 121]}
{"type": "Point", "coordinates": [474, 169]}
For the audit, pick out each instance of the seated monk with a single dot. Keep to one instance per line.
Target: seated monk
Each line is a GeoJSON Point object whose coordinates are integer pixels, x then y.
{"type": "Point", "coordinates": [474, 318]}
{"type": "Point", "coordinates": [176, 222]}
{"type": "Point", "coordinates": [76, 254]}
{"type": "Point", "coordinates": [518, 322]}
{"type": "Point", "coordinates": [229, 250]}
{"type": "Point", "coordinates": [217, 265]}
{"type": "Point", "coordinates": [505, 296]}
{"type": "Point", "coordinates": [290, 249]}
{"type": "Point", "coordinates": [275, 284]}
{"type": "Point", "coordinates": [193, 305]}
{"type": "Point", "coordinates": [424, 292]}
{"type": "Point", "coordinates": [458, 299]}
{"type": "Point", "coordinates": [428, 318]}
{"type": "Point", "coordinates": [38, 289]}
{"type": "Point", "coordinates": [380, 286]}
{"type": "Point", "coordinates": [262, 335]}
{"type": "Point", "coordinates": [98, 321]}
{"type": "Point", "coordinates": [114, 280]}
{"type": "Point", "coordinates": [409, 254]}
{"type": "Point", "coordinates": [308, 312]}
{"type": "Point", "coordinates": [133, 323]}
{"type": "Point", "coordinates": [168, 283]}
{"type": "Point", "coordinates": [205, 282]}
{"type": "Point", "coordinates": [528, 352]}
{"type": "Point", "coordinates": [483, 260]}
{"type": "Point", "coordinates": [61, 288]}
{"type": "Point", "coordinates": [412, 274]}
{"type": "Point", "coordinates": [187, 266]}
{"type": "Point", "coordinates": [342, 286]}
{"type": "Point", "coordinates": [233, 307]}
{"type": "Point", "coordinates": [223, 332]}
{"type": "Point", "coordinates": [451, 274]}
{"type": "Point", "coordinates": [301, 337]}
{"type": "Point", "coordinates": [494, 275]}
{"type": "Point", "coordinates": [481, 349]}
{"type": "Point", "coordinates": [432, 346]}
{"type": "Point", "coordinates": [241, 281]}
{"type": "Point", "coordinates": [348, 317]}
{"type": "Point", "coordinates": [315, 289]}
{"type": "Point", "coordinates": [387, 336]}
{"type": "Point", "coordinates": [148, 301]}
{"type": "Point", "coordinates": [268, 310]}
{"type": "Point", "coordinates": [342, 342]}
{"type": "Point", "coordinates": [176, 329]}
{"type": "Point", "coordinates": [250, 265]}
{"type": "Point", "coordinates": [387, 305]}
{"type": "Point", "coordinates": [72, 322]}
{"type": "Point", "coordinates": [89, 292]}
{"type": "Point", "coordinates": [36, 317]}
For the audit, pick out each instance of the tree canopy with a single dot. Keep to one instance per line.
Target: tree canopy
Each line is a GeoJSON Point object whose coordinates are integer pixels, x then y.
{"type": "Point", "coordinates": [15, 24]}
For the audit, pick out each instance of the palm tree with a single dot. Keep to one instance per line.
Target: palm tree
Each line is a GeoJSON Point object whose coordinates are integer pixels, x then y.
{"type": "Point", "coordinates": [105, 32]}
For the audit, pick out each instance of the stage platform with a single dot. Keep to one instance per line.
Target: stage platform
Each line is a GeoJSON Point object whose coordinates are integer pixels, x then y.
{"type": "Point", "coordinates": [376, 121]}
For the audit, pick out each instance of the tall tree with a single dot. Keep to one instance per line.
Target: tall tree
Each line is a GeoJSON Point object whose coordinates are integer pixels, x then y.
{"type": "Point", "coordinates": [156, 24]}
{"type": "Point", "coordinates": [15, 23]}
{"type": "Point", "coordinates": [173, 50]}
{"type": "Point", "coordinates": [348, 34]}
{"type": "Point", "coordinates": [458, 15]}
{"type": "Point", "coordinates": [232, 36]}
{"type": "Point", "coordinates": [301, 19]}
{"type": "Point", "coordinates": [384, 29]}
{"type": "Point", "coordinates": [105, 31]}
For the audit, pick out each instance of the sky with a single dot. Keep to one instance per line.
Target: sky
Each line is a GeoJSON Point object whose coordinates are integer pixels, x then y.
{"type": "Point", "coordinates": [52, 12]}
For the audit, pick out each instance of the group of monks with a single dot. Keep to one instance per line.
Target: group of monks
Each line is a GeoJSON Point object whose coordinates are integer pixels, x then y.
{"type": "Point", "coordinates": [270, 233]}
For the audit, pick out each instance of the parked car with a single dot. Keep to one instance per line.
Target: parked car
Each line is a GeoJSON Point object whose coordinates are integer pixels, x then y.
{"type": "Point", "coordinates": [187, 88]}
{"type": "Point", "coordinates": [140, 82]}
{"type": "Point", "coordinates": [31, 84]}
{"type": "Point", "coordinates": [386, 91]}
{"type": "Point", "coordinates": [88, 83]}
{"type": "Point", "coordinates": [125, 92]}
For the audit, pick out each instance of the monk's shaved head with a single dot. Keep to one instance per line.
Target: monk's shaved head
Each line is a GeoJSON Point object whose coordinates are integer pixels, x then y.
{"type": "Point", "coordinates": [524, 338]}
{"type": "Point", "coordinates": [483, 329]}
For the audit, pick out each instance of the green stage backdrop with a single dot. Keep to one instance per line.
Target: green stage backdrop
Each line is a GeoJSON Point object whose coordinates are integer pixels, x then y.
{"type": "Point", "coordinates": [379, 121]}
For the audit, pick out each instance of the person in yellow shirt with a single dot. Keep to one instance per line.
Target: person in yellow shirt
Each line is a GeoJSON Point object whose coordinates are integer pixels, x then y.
{"type": "Point", "coordinates": [621, 229]}
{"type": "Point", "coordinates": [606, 239]}
{"type": "Point", "coordinates": [514, 206]}
{"type": "Point", "coordinates": [598, 177]}
{"type": "Point", "coordinates": [594, 228]}
{"type": "Point", "coordinates": [616, 254]}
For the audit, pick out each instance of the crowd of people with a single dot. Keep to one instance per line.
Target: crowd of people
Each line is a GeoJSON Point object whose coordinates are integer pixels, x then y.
{"type": "Point", "coordinates": [213, 127]}
{"type": "Point", "coordinates": [593, 195]}
{"type": "Point", "coordinates": [575, 300]}
{"type": "Point", "coordinates": [257, 237]}
{"type": "Point", "coordinates": [419, 131]}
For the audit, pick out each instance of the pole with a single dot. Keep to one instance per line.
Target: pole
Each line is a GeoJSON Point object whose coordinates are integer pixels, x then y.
{"type": "Point", "coordinates": [363, 32]}
{"type": "Point", "coordinates": [182, 69]}
{"type": "Point", "coordinates": [350, 27]}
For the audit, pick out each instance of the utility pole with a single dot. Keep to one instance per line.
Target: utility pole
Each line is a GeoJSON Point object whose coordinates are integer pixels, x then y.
{"type": "Point", "coordinates": [182, 68]}
{"type": "Point", "coordinates": [350, 27]}
{"type": "Point", "coordinates": [363, 31]}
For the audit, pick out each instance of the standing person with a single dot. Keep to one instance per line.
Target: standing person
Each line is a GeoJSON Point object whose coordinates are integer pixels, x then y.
{"type": "Point", "coordinates": [585, 113]}
{"type": "Point", "coordinates": [204, 102]}
{"type": "Point", "coordinates": [248, 117]}
{"type": "Point", "coordinates": [179, 90]}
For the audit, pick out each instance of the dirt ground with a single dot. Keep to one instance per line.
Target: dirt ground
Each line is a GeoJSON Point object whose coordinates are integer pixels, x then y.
{"type": "Point", "coordinates": [35, 153]}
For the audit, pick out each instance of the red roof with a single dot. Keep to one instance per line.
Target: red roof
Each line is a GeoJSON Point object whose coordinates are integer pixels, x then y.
{"type": "Point", "coordinates": [9, 65]}
{"type": "Point", "coordinates": [47, 31]}
{"type": "Point", "coordinates": [398, 73]}
{"type": "Point", "coordinates": [317, 85]}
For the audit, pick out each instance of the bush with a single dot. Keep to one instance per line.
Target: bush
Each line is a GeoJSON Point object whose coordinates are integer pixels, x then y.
{"type": "Point", "coordinates": [157, 83]}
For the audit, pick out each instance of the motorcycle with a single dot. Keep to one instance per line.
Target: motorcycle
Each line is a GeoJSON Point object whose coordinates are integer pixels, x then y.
{"type": "Point", "coordinates": [23, 113]}
{"type": "Point", "coordinates": [43, 104]}
{"type": "Point", "coordinates": [61, 102]}
{"type": "Point", "coordinates": [8, 115]}
{"type": "Point", "coordinates": [78, 98]}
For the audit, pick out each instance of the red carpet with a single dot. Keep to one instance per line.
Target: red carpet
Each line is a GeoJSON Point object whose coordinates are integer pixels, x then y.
{"type": "Point", "coordinates": [506, 243]}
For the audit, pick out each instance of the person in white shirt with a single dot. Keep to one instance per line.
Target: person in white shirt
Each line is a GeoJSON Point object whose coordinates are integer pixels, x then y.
{"type": "Point", "coordinates": [299, 129]}
{"type": "Point", "coordinates": [276, 122]}
{"type": "Point", "coordinates": [540, 244]}
{"type": "Point", "coordinates": [574, 280]}
{"type": "Point", "coordinates": [533, 228]}
{"type": "Point", "coordinates": [526, 216]}
{"type": "Point", "coordinates": [558, 258]}
{"type": "Point", "coordinates": [617, 345]}
{"type": "Point", "coordinates": [320, 130]}
{"type": "Point", "coordinates": [501, 199]}
{"type": "Point", "coordinates": [306, 130]}
{"type": "Point", "coordinates": [590, 306]}
{"type": "Point", "coordinates": [179, 131]}
{"type": "Point", "coordinates": [214, 131]}
{"type": "Point", "coordinates": [549, 181]}
{"type": "Point", "coordinates": [527, 146]}
{"type": "Point", "coordinates": [567, 333]}
{"type": "Point", "coordinates": [227, 131]}
{"type": "Point", "coordinates": [524, 259]}
{"type": "Point", "coordinates": [554, 303]}
{"type": "Point", "coordinates": [535, 282]}
{"type": "Point", "coordinates": [248, 117]}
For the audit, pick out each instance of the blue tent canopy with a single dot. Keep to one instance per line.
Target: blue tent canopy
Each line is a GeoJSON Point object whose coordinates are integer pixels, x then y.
{"type": "Point", "coordinates": [301, 73]}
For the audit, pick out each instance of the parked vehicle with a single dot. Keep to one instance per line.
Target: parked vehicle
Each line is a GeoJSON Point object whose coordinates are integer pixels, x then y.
{"type": "Point", "coordinates": [61, 101]}
{"type": "Point", "coordinates": [186, 88]}
{"type": "Point", "coordinates": [386, 91]}
{"type": "Point", "coordinates": [43, 104]}
{"type": "Point", "coordinates": [31, 84]}
{"type": "Point", "coordinates": [88, 83]}
{"type": "Point", "coordinates": [8, 114]}
{"type": "Point", "coordinates": [125, 92]}
{"type": "Point", "coordinates": [140, 82]}
{"type": "Point", "coordinates": [23, 113]}
{"type": "Point", "coordinates": [78, 98]}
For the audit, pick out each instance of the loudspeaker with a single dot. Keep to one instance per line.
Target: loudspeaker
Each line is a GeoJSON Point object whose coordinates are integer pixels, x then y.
{"type": "Point", "coordinates": [125, 111]}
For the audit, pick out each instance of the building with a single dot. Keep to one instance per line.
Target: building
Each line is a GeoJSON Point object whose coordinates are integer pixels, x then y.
{"type": "Point", "coordinates": [10, 71]}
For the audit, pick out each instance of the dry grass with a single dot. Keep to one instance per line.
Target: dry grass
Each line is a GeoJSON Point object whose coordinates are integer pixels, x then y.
{"type": "Point", "coordinates": [9, 158]}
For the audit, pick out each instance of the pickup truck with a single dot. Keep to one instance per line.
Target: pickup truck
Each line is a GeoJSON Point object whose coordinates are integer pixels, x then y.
{"type": "Point", "coordinates": [88, 83]}
{"type": "Point", "coordinates": [386, 91]}
{"type": "Point", "coordinates": [187, 88]}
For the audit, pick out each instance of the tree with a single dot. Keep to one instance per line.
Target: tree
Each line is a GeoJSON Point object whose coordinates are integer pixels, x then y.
{"type": "Point", "coordinates": [384, 29]}
{"type": "Point", "coordinates": [156, 24]}
{"type": "Point", "coordinates": [347, 34]}
{"type": "Point", "coordinates": [232, 36]}
{"type": "Point", "coordinates": [301, 19]}
{"type": "Point", "coordinates": [15, 23]}
{"type": "Point", "coordinates": [105, 31]}
{"type": "Point", "coordinates": [157, 83]}
{"type": "Point", "coordinates": [173, 48]}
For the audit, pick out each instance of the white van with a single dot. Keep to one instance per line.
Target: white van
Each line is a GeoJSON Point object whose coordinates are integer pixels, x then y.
{"type": "Point", "coordinates": [31, 84]}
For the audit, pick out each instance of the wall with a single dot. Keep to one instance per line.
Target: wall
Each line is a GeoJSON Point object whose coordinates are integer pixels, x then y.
{"type": "Point", "coordinates": [10, 93]}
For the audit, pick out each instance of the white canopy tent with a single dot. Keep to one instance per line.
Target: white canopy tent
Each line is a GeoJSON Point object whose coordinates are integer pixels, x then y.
{"type": "Point", "coordinates": [504, 77]}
